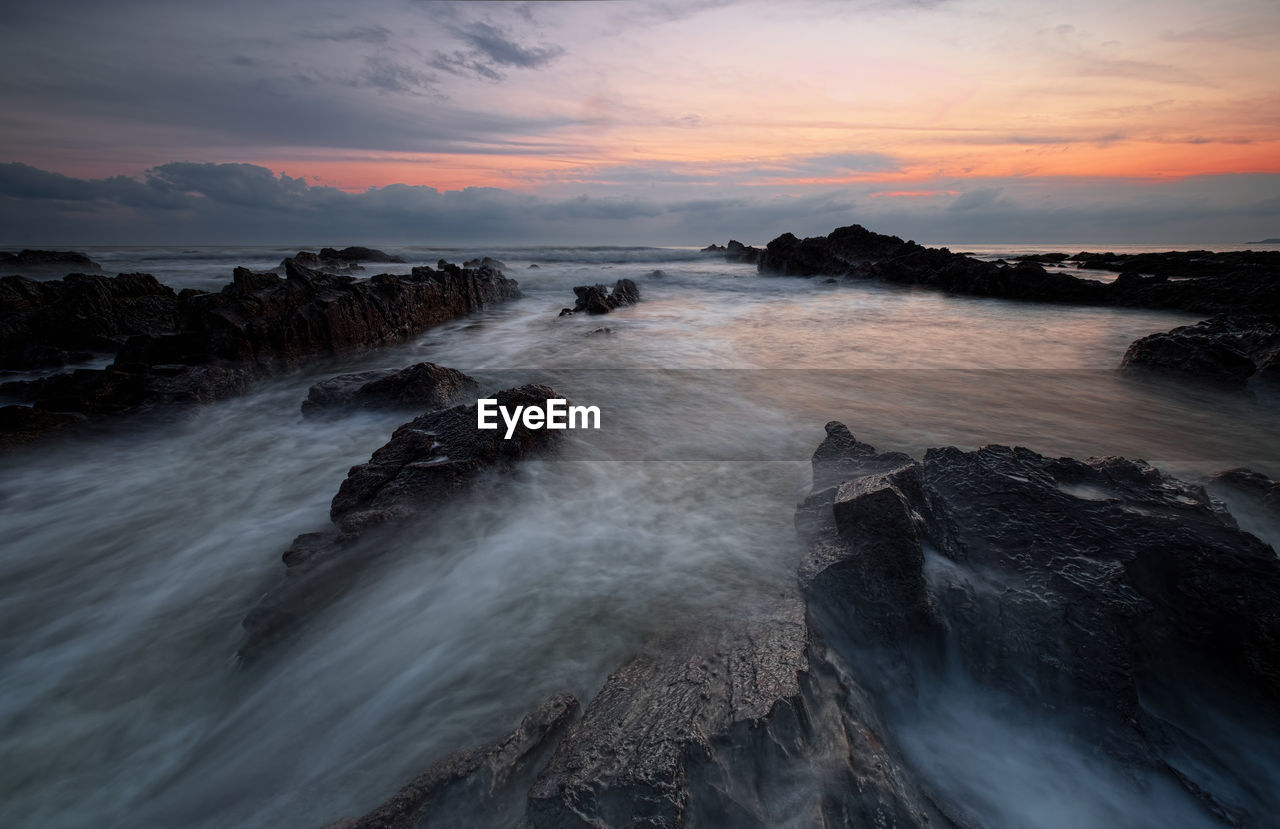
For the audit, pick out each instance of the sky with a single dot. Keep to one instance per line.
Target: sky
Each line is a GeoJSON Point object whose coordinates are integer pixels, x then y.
{"type": "Point", "coordinates": [167, 121]}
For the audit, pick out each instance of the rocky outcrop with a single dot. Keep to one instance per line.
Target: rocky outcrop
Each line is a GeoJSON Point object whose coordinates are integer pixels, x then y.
{"type": "Point", "coordinates": [597, 299]}
{"type": "Point", "coordinates": [46, 262]}
{"type": "Point", "coordinates": [1086, 588]}
{"type": "Point", "coordinates": [1218, 283]}
{"type": "Point", "coordinates": [427, 461]}
{"type": "Point", "coordinates": [422, 386]}
{"type": "Point", "coordinates": [340, 261]}
{"type": "Point", "coordinates": [470, 787]}
{"type": "Point", "coordinates": [52, 323]}
{"type": "Point", "coordinates": [218, 343]}
{"type": "Point", "coordinates": [1227, 350]}
{"type": "Point", "coordinates": [735, 251]}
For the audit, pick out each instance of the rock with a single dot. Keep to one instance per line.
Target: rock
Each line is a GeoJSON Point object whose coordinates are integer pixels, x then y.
{"type": "Point", "coordinates": [268, 323]}
{"type": "Point", "coordinates": [426, 462]}
{"type": "Point", "coordinates": [1090, 587]}
{"type": "Point", "coordinates": [658, 274]}
{"type": "Point", "coordinates": [340, 261]}
{"type": "Point", "coordinates": [51, 323]}
{"type": "Point", "coordinates": [1254, 487]}
{"type": "Point", "coordinates": [46, 262]}
{"type": "Point", "coordinates": [1226, 350]}
{"type": "Point", "coordinates": [422, 386]}
{"type": "Point", "coordinates": [1219, 283]}
{"type": "Point", "coordinates": [735, 251]}
{"type": "Point", "coordinates": [469, 787]}
{"type": "Point", "coordinates": [534, 266]}
{"type": "Point", "coordinates": [358, 254]}
{"type": "Point", "coordinates": [486, 262]}
{"type": "Point", "coordinates": [597, 299]}
{"type": "Point", "coordinates": [21, 425]}
{"type": "Point", "coordinates": [735, 721]}
{"type": "Point", "coordinates": [1042, 258]}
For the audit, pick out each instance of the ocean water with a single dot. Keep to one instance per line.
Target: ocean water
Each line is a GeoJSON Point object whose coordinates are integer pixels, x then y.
{"type": "Point", "coordinates": [128, 562]}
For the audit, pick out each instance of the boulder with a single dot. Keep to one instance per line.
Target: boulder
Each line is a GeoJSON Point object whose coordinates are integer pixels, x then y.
{"type": "Point", "coordinates": [422, 386]}
{"type": "Point", "coordinates": [1226, 350]}
{"type": "Point", "coordinates": [21, 425]}
{"type": "Point", "coordinates": [486, 262]}
{"type": "Point", "coordinates": [597, 299]}
{"type": "Point", "coordinates": [426, 462]}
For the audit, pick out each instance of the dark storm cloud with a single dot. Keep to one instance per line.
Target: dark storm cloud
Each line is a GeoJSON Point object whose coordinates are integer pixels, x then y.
{"type": "Point", "coordinates": [242, 203]}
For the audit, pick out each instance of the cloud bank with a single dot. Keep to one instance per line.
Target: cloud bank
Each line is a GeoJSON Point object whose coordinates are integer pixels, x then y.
{"type": "Point", "coordinates": [216, 203]}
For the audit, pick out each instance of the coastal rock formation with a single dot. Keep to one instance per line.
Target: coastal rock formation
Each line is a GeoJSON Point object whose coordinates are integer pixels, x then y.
{"type": "Point", "coordinates": [426, 461]}
{"type": "Point", "coordinates": [1253, 487]}
{"type": "Point", "coordinates": [422, 386]}
{"type": "Point", "coordinates": [1101, 591]}
{"type": "Point", "coordinates": [468, 787]}
{"type": "Point", "coordinates": [340, 261]}
{"type": "Point", "coordinates": [597, 299]}
{"type": "Point", "coordinates": [1086, 588]}
{"type": "Point", "coordinates": [1217, 283]}
{"type": "Point", "coordinates": [27, 262]}
{"type": "Point", "coordinates": [205, 346]}
{"type": "Point", "coordinates": [52, 323]}
{"type": "Point", "coordinates": [1227, 350]}
{"type": "Point", "coordinates": [735, 251]}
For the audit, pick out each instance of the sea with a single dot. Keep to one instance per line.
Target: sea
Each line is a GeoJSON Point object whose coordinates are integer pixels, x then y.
{"type": "Point", "coordinates": [128, 561]}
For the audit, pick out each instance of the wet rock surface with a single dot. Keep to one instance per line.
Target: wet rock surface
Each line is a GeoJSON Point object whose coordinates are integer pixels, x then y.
{"type": "Point", "coordinates": [1227, 350]}
{"type": "Point", "coordinates": [427, 461]}
{"type": "Point", "coordinates": [422, 386]}
{"type": "Point", "coordinates": [598, 299]}
{"type": "Point", "coordinates": [1192, 281]}
{"type": "Point", "coordinates": [1088, 588]}
{"type": "Point", "coordinates": [470, 787]}
{"type": "Point", "coordinates": [55, 322]}
{"type": "Point", "coordinates": [198, 347]}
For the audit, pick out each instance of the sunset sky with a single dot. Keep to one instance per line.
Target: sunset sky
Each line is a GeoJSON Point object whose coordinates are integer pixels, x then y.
{"type": "Point", "coordinates": [634, 122]}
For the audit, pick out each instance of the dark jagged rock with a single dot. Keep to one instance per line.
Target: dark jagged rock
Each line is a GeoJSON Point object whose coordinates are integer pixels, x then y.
{"type": "Point", "coordinates": [269, 324]}
{"type": "Point", "coordinates": [467, 787]}
{"type": "Point", "coordinates": [46, 262]}
{"type": "Point", "coordinates": [1220, 283]}
{"type": "Point", "coordinates": [735, 251]}
{"type": "Point", "coordinates": [52, 323]}
{"type": "Point", "coordinates": [1227, 349]}
{"type": "Point", "coordinates": [426, 461]}
{"type": "Point", "coordinates": [345, 260]}
{"type": "Point", "coordinates": [20, 425]}
{"type": "Point", "coordinates": [1084, 587]}
{"type": "Point", "coordinates": [198, 346]}
{"type": "Point", "coordinates": [1042, 258]}
{"type": "Point", "coordinates": [422, 386]}
{"type": "Point", "coordinates": [597, 299]}
{"type": "Point", "coordinates": [1184, 263]}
